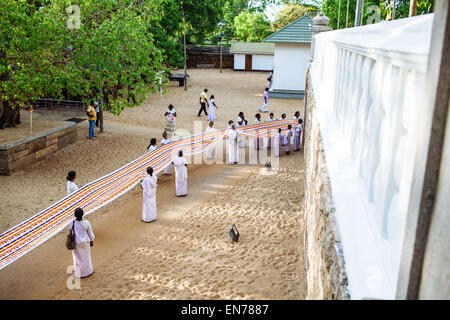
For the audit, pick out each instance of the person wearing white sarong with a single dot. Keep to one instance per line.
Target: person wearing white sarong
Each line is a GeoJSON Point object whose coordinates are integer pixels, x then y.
{"type": "Point", "coordinates": [164, 141]}
{"type": "Point", "coordinates": [265, 107]}
{"type": "Point", "coordinates": [181, 175]}
{"type": "Point", "coordinates": [269, 139]}
{"type": "Point", "coordinates": [212, 109]}
{"type": "Point", "coordinates": [152, 146]}
{"type": "Point", "coordinates": [287, 140]}
{"type": "Point", "coordinates": [258, 142]}
{"type": "Point", "coordinates": [84, 239]}
{"type": "Point", "coordinates": [233, 151]}
{"type": "Point", "coordinates": [241, 121]}
{"type": "Point", "coordinates": [149, 185]}
{"type": "Point", "coordinates": [211, 153]}
{"type": "Point", "coordinates": [277, 143]}
{"type": "Point", "coordinates": [171, 125]}
{"type": "Point", "coordinates": [297, 134]}
{"type": "Point", "coordinates": [71, 186]}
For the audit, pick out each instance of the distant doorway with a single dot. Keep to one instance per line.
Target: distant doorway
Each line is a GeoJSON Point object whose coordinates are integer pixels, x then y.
{"type": "Point", "coordinates": [248, 62]}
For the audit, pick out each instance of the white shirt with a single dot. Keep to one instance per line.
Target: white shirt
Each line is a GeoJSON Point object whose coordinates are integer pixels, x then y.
{"type": "Point", "coordinates": [283, 119]}
{"type": "Point", "coordinates": [209, 129]}
{"type": "Point", "coordinates": [71, 187]}
{"type": "Point", "coordinates": [170, 115]}
{"type": "Point", "coordinates": [269, 119]}
{"type": "Point", "coordinates": [165, 141]}
{"type": "Point", "coordinates": [256, 121]}
{"type": "Point", "coordinates": [211, 103]}
{"type": "Point", "coordinates": [83, 231]}
{"type": "Point", "coordinates": [97, 107]}
{"type": "Point", "coordinates": [149, 184]}
{"type": "Point", "coordinates": [151, 148]}
{"type": "Point", "coordinates": [180, 168]}
{"type": "Point", "coordinates": [232, 135]}
{"type": "Point", "coordinates": [239, 119]}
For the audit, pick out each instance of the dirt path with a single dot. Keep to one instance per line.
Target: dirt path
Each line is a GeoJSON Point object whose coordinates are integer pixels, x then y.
{"type": "Point", "coordinates": [186, 253]}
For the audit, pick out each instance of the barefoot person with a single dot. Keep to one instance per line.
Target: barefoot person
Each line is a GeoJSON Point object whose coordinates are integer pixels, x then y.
{"type": "Point", "coordinates": [297, 134]}
{"type": "Point", "coordinates": [265, 107]}
{"type": "Point", "coordinates": [71, 186]}
{"type": "Point", "coordinates": [171, 124]}
{"type": "Point", "coordinates": [181, 175]}
{"type": "Point", "coordinates": [84, 240]}
{"type": "Point", "coordinates": [258, 142]}
{"type": "Point", "coordinates": [269, 139]}
{"type": "Point", "coordinates": [278, 143]}
{"type": "Point", "coordinates": [212, 109]}
{"type": "Point", "coordinates": [241, 121]}
{"type": "Point", "coordinates": [233, 151]}
{"type": "Point", "coordinates": [287, 140]}
{"type": "Point", "coordinates": [164, 141]}
{"type": "Point", "coordinates": [211, 153]}
{"type": "Point", "coordinates": [149, 185]}
{"type": "Point", "coordinates": [152, 146]}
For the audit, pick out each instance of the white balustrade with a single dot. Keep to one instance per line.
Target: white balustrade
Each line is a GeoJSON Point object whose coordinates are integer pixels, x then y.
{"type": "Point", "coordinates": [368, 83]}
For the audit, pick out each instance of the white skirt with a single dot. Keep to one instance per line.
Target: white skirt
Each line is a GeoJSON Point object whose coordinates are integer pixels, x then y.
{"type": "Point", "coordinates": [149, 207]}
{"type": "Point", "coordinates": [181, 187]}
{"type": "Point", "coordinates": [82, 260]}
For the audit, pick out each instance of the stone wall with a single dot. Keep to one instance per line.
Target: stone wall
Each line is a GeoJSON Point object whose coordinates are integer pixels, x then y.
{"type": "Point", "coordinates": [324, 261]}
{"type": "Point", "coordinates": [23, 153]}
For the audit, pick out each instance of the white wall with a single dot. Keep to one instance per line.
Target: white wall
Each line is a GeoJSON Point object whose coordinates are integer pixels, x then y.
{"type": "Point", "coordinates": [290, 63]}
{"type": "Point", "coordinates": [368, 90]}
{"type": "Point", "coordinates": [239, 61]}
{"type": "Point", "coordinates": [262, 62]}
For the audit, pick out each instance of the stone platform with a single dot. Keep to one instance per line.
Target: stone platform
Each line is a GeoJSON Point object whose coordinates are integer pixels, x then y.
{"type": "Point", "coordinates": [18, 154]}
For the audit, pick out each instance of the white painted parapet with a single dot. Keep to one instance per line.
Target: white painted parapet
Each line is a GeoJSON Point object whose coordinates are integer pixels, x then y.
{"type": "Point", "coordinates": [368, 83]}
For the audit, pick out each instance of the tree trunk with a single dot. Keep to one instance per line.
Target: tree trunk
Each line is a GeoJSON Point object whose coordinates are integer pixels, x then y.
{"type": "Point", "coordinates": [9, 116]}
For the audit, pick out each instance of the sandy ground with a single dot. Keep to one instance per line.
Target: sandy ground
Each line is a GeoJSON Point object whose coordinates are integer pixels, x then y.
{"type": "Point", "coordinates": [186, 253]}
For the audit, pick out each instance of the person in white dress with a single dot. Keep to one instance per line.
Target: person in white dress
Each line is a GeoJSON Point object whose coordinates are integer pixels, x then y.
{"type": "Point", "coordinates": [241, 121]}
{"type": "Point", "coordinates": [84, 240]}
{"type": "Point", "coordinates": [171, 125]}
{"type": "Point", "coordinates": [152, 146]}
{"type": "Point", "coordinates": [287, 140]}
{"type": "Point", "coordinates": [277, 143]}
{"type": "Point", "coordinates": [71, 186]}
{"type": "Point", "coordinates": [212, 109]}
{"type": "Point", "coordinates": [297, 116]}
{"type": "Point", "coordinates": [233, 151]}
{"type": "Point", "coordinates": [211, 153]}
{"type": "Point", "coordinates": [283, 117]}
{"type": "Point", "coordinates": [163, 142]}
{"type": "Point", "coordinates": [297, 135]}
{"type": "Point", "coordinates": [181, 175]}
{"type": "Point", "coordinates": [265, 106]}
{"type": "Point", "coordinates": [269, 139]}
{"type": "Point", "coordinates": [149, 185]}
{"type": "Point", "coordinates": [258, 142]}
{"type": "Point", "coordinates": [230, 122]}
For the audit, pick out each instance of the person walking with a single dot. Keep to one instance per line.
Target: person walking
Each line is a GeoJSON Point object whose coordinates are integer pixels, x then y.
{"type": "Point", "coordinates": [203, 102]}
{"type": "Point", "coordinates": [265, 107]}
{"type": "Point", "coordinates": [212, 109]}
{"type": "Point", "coordinates": [171, 125]}
{"type": "Point", "coordinates": [84, 240]}
{"type": "Point", "coordinates": [92, 116]}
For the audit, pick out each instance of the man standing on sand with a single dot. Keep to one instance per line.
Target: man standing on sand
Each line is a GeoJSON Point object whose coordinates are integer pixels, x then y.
{"type": "Point", "coordinates": [92, 116]}
{"type": "Point", "coordinates": [203, 102]}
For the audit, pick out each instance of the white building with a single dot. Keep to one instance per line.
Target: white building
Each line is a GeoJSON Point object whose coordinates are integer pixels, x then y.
{"type": "Point", "coordinates": [252, 56]}
{"type": "Point", "coordinates": [292, 53]}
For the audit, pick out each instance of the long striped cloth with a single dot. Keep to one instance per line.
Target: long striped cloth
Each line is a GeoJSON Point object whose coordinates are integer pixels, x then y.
{"type": "Point", "coordinates": [34, 231]}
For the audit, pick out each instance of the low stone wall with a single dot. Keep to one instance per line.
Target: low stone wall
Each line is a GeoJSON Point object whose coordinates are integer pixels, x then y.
{"type": "Point", "coordinates": [324, 262]}
{"type": "Point", "coordinates": [24, 152]}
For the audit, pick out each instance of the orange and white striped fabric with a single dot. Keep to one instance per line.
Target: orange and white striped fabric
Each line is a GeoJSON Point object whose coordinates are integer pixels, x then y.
{"type": "Point", "coordinates": [29, 234]}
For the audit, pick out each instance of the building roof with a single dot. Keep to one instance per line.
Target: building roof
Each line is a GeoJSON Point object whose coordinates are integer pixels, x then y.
{"type": "Point", "coordinates": [252, 48]}
{"type": "Point", "coordinates": [298, 31]}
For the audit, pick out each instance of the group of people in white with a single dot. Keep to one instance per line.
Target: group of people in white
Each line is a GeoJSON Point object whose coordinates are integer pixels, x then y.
{"type": "Point", "coordinates": [82, 229]}
{"type": "Point", "coordinates": [280, 141]}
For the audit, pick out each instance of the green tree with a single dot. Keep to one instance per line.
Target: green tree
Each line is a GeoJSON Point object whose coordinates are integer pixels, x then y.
{"type": "Point", "coordinates": [251, 27]}
{"type": "Point", "coordinates": [289, 14]}
{"type": "Point", "coordinates": [383, 12]}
